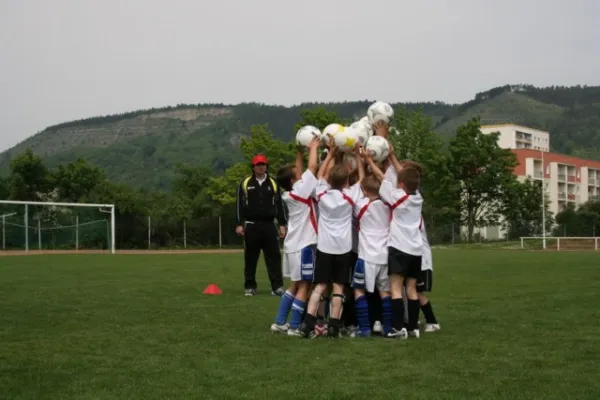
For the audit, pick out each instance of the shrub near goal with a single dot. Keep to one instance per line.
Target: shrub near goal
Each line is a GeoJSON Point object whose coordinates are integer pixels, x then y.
{"type": "Point", "coordinates": [561, 243]}
{"type": "Point", "coordinates": [57, 226]}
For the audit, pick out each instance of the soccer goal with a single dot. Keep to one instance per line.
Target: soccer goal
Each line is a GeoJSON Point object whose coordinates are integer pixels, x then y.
{"type": "Point", "coordinates": [561, 243]}
{"type": "Point", "coordinates": [33, 225]}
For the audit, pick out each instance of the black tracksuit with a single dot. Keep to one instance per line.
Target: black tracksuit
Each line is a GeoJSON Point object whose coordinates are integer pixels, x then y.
{"type": "Point", "coordinates": [257, 212]}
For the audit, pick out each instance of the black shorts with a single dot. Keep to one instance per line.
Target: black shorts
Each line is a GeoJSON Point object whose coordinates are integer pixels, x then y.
{"type": "Point", "coordinates": [353, 258]}
{"type": "Point", "coordinates": [425, 281]}
{"type": "Point", "coordinates": [333, 268]}
{"type": "Point", "coordinates": [400, 263]}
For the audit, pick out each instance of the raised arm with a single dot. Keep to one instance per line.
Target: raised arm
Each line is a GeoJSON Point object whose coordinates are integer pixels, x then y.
{"type": "Point", "coordinates": [313, 156]}
{"type": "Point", "coordinates": [374, 168]}
{"type": "Point", "coordinates": [359, 163]}
{"type": "Point", "coordinates": [393, 160]}
{"type": "Point", "coordinates": [324, 168]}
{"type": "Point", "coordinates": [299, 163]}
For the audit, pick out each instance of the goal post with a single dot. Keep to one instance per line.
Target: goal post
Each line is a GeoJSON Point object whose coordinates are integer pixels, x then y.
{"type": "Point", "coordinates": [57, 218]}
{"type": "Point", "coordinates": [561, 243]}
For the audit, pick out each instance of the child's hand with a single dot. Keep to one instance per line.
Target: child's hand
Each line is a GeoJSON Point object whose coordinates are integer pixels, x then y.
{"type": "Point", "coordinates": [391, 150]}
{"type": "Point", "coordinates": [314, 143]}
{"type": "Point", "coordinates": [332, 145]}
{"type": "Point", "coordinates": [380, 128]}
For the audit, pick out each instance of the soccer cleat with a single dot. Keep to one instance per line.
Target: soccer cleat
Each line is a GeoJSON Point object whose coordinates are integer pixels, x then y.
{"type": "Point", "coordinates": [333, 332]}
{"type": "Point", "coordinates": [360, 334]}
{"type": "Point", "coordinates": [432, 327]}
{"type": "Point", "coordinates": [278, 292]}
{"type": "Point", "coordinates": [295, 332]}
{"type": "Point", "coordinates": [249, 292]}
{"type": "Point", "coordinates": [349, 330]}
{"type": "Point", "coordinates": [397, 334]}
{"type": "Point", "coordinates": [321, 329]}
{"type": "Point", "coordinates": [414, 334]}
{"type": "Point", "coordinates": [377, 328]}
{"type": "Point", "coordinates": [305, 330]}
{"type": "Point", "coordinates": [276, 328]}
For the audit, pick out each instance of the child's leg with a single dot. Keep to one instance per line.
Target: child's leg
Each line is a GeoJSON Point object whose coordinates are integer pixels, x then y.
{"type": "Point", "coordinates": [383, 284]}
{"type": "Point", "coordinates": [299, 304]}
{"type": "Point", "coordinates": [375, 309]}
{"type": "Point", "coordinates": [341, 278]}
{"type": "Point", "coordinates": [396, 285]}
{"type": "Point", "coordinates": [349, 313]}
{"type": "Point", "coordinates": [310, 317]}
{"type": "Point", "coordinates": [361, 283]}
{"type": "Point", "coordinates": [413, 304]}
{"type": "Point", "coordinates": [427, 309]}
{"type": "Point", "coordinates": [285, 304]}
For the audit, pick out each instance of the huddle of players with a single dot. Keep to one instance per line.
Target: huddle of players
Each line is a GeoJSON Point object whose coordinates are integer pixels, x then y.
{"type": "Point", "coordinates": [327, 204]}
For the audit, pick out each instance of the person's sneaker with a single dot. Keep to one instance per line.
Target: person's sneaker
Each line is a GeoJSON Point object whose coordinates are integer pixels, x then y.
{"type": "Point", "coordinates": [294, 332]}
{"type": "Point", "coordinates": [432, 327]}
{"type": "Point", "coordinates": [349, 330]}
{"type": "Point", "coordinates": [249, 292]}
{"type": "Point", "coordinates": [333, 332]}
{"type": "Point", "coordinates": [360, 334]}
{"type": "Point", "coordinates": [377, 328]}
{"type": "Point", "coordinates": [400, 334]}
{"type": "Point", "coordinates": [276, 328]}
{"type": "Point", "coordinates": [414, 334]}
{"type": "Point", "coordinates": [278, 292]}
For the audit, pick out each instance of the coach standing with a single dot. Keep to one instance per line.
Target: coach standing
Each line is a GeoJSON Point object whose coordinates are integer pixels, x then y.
{"type": "Point", "coordinates": [259, 203]}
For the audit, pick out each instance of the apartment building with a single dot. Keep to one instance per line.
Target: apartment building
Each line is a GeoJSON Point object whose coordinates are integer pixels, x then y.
{"type": "Point", "coordinates": [519, 137]}
{"type": "Point", "coordinates": [567, 179]}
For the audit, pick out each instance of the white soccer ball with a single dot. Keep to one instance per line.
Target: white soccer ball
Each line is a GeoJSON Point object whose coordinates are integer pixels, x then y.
{"type": "Point", "coordinates": [378, 147]}
{"type": "Point", "coordinates": [346, 140]}
{"type": "Point", "coordinates": [330, 131]}
{"type": "Point", "coordinates": [363, 130]}
{"type": "Point", "coordinates": [306, 134]}
{"type": "Point", "coordinates": [380, 111]}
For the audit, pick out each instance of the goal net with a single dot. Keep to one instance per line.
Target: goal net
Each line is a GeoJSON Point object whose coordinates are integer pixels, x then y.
{"type": "Point", "coordinates": [47, 226]}
{"type": "Point", "coordinates": [561, 243]}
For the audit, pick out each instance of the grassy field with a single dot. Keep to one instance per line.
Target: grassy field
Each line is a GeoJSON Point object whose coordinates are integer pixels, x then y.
{"type": "Point", "coordinates": [515, 324]}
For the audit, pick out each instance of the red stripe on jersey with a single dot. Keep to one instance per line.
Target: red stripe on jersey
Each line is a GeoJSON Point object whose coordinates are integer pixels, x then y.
{"type": "Point", "coordinates": [400, 201]}
{"type": "Point", "coordinates": [321, 195]}
{"type": "Point", "coordinates": [309, 203]}
{"type": "Point", "coordinates": [362, 212]}
{"type": "Point", "coordinates": [348, 199]}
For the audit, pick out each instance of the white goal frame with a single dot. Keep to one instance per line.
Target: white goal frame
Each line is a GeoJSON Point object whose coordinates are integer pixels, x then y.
{"type": "Point", "coordinates": [596, 240]}
{"type": "Point", "coordinates": [102, 207]}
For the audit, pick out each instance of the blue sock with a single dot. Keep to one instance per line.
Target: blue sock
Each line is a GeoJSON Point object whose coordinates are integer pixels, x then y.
{"type": "Point", "coordinates": [297, 313]}
{"type": "Point", "coordinates": [362, 314]}
{"type": "Point", "coordinates": [386, 305]}
{"type": "Point", "coordinates": [284, 308]}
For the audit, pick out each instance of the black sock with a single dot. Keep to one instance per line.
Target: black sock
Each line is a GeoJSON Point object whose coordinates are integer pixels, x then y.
{"type": "Point", "coordinates": [413, 315]}
{"type": "Point", "coordinates": [428, 312]}
{"type": "Point", "coordinates": [398, 313]}
{"type": "Point", "coordinates": [375, 308]}
{"type": "Point", "coordinates": [310, 321]}
{"type": "Point", "coordinates": [349, 311]}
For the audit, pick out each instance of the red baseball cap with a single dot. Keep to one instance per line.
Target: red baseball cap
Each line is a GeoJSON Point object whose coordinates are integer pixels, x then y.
{"type": "Point", "coordinates": [259, 159]}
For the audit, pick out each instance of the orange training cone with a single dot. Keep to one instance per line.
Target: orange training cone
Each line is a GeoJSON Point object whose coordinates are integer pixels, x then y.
{"type": "Point", "coordinates": [212, 289]}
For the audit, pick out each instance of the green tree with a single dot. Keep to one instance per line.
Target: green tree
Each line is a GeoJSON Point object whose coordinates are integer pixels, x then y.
{"type": "Point", "coordinates": [76, 179]}
{"type": "Point", "coordinates": [582, 221]}
{"type": "Point", "coordinates": [522, 209]}
{"type": "Point", "coordinates": [4, 188]}
{"type": "Point", "coordinates": [485, 172]}
{"type": "Point", "coordinates": [319, 117]}
{"type": "Point", "coordinates": [29, 178]}
{"type": "Point", "coordinates": [414, 139]}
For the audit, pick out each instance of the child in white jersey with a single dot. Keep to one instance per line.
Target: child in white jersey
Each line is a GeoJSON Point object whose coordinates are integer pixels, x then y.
{"type": "Point", "coordinates": [334, 242]}
{"type": "Point", "coordinates": [405, 242]}
{"type": "Point", "coordinates": [301, 238]}
{"type": "Point", "coordinates": [373, 216]}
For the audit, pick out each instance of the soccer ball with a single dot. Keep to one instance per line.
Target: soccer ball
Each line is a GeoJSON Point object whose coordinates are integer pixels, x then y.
{"type": "Point", "coordinates": [306, 134]}
{"type": "Point", "coordinates": [378, 147]}
{"type": "Point", "coordinates": [380, 111]}
{"type": "Point", "coordinates": [363, 130]}
{"type": "Point", "coordinates": [346, 140]}
{"type": "Point", "coordinates": [330, 131]}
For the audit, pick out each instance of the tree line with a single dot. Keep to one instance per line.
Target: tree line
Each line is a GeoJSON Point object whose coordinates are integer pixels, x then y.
{"type": "Point", "coordinates": [468, 182]}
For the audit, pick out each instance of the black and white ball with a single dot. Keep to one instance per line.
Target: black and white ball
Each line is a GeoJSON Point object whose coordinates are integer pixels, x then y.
{"type": "Point", "coordinates": [380, 111]}
{"type": "Point", "coordinates": [306, 134]}
{"type": "Point", "coordinates": [378, 147]}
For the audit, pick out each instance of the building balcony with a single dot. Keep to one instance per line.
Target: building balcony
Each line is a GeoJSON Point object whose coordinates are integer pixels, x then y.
{"type": "Point", "coordinates": [572, 197]}
{"type": "Point", "coordinates": [538, 174]}
{"type": "Point", "coordinates": [592, 182]}
{"type": "Point", "coordinates": [562, 177]}
{"type": "Point", "coordinates": [562, 196]}
{"type": "Point", "coordinates": [572, 178]}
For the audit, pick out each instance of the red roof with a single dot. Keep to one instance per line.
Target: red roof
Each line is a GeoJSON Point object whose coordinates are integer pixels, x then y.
{"type": "Point", "coordinates": [577, 162]}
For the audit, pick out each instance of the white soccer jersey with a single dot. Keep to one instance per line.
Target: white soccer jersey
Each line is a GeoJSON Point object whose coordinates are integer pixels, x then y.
{"type": "Point", "coordinates": [373, 218]}
{"type": "Point", "coordinates": [391, 175]}
{"type": "Point", "coordinates": [302, 221]}
{"type": "Point", "coordinates": [354, 234]}
{"type": "Point", "coordinates": [405, 228]}
{"type": "Point", "coordinates": [427, 261]}
{"type": "Point", "coordinates": [335, 218]}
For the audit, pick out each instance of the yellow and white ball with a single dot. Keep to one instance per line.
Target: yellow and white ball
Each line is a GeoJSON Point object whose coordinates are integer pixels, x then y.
{"type": "Point", "coordinates": [346, 140]}
{"type": "Point", "coordinates": [363, 130]}
{"type": "Point", "coordinates": [330, 131]}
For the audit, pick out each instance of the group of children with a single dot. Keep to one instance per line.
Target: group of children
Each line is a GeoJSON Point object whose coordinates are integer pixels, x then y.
{"type": "Point", "coordinates": [356, 250]}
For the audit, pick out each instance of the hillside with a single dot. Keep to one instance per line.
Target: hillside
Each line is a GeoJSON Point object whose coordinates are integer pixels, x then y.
{"type": "Point", "coordinates": [142, 147]}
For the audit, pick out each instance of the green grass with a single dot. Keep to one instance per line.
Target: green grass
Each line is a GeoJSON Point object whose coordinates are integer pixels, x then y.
{"type": "Point", "coordinates": [518, 325]}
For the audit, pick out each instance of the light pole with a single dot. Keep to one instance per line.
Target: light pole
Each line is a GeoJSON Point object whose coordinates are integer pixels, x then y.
{"type": "Point", "coordinates": [543, 203]}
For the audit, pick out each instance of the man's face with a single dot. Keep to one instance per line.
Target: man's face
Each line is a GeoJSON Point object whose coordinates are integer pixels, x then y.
{"type": "Point", "coordinates": [260, 168]}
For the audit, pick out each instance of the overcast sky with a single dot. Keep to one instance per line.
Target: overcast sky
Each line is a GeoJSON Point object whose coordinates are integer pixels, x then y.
{"type": "Point", "coordinates": [68, 59]}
